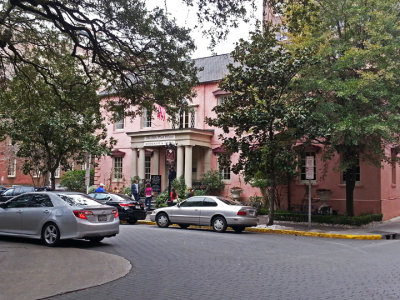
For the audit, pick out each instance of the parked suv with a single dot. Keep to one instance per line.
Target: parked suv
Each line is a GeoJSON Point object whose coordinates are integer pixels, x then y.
{"type": "Point", "coordinates": [15, 191]}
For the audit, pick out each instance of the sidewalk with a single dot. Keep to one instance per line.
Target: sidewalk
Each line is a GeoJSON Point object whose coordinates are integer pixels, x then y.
{"type": "Point", "coordinates": [375, 231]}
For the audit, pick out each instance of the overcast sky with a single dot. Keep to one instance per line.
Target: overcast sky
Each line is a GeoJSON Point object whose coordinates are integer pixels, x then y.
{"type": "Point", "coordinates": [187, 17]}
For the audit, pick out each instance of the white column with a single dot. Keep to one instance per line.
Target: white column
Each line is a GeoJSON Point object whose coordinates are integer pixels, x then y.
{"type": "Point", "coordinates": [207, 160]}
{"type": "Point", "coordinates": [199, 155]}
{"type": "Point", "coordinates": [134, 163]}
{"type": "Point", "coordinates": [179, 158]}
{"type": "Point", "coordinates": [156, 162]}
{"type": "Point", "coordinates": [141, 165]}
{"type": "Point", "coordinates": [188, 165]}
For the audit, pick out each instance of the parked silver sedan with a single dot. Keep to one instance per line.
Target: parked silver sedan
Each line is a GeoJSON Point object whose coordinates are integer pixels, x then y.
{"type": "Point", "coordinates": [207, 210]}
{"type": "Point", "coordinates": [52, 216]}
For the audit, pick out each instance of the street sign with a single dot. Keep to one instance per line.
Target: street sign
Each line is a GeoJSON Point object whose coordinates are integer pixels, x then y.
{"type": "Point", "coordinates": [310, 167]}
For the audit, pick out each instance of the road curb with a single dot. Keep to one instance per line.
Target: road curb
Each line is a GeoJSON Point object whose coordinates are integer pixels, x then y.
{"type": "Point", "coordinates": [296, 232]}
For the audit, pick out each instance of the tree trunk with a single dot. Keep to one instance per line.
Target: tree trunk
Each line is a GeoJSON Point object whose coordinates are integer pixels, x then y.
{"type": "Point", "coordinates": [53, 180]}
{"type": "Point", "coordinates": [288, 194]}
{"type": "Point", "coordinates": [272, 196]}
{"type": "Point", "coordinates": [350, 184]}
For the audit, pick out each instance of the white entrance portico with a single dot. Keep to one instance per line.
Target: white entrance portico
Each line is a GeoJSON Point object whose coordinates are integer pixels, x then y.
{"type": "Point", "coordinates": [193, 152]}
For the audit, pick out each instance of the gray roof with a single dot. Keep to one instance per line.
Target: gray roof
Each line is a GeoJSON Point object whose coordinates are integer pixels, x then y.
{"type": "Point", "coordinates": [213, 68]}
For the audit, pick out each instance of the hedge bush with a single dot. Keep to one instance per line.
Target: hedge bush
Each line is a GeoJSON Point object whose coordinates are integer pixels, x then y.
{"type": "Point", "coordinates": [329, 219]}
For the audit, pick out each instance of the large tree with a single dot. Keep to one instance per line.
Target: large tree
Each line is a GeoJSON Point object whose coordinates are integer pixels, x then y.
{"type": "Point", "coordinates": [53, 122]}
{"type": "Point", "coordinates": [354, 80]}
{"type": "Point", "coordinates": [143, 55]}
{"type": "Point", "coordinates": [261, 111]}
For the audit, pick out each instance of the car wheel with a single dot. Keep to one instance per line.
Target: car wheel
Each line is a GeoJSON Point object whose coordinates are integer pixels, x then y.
{"type": "Point", "coordinates": [183, 226]}
{"type": "Point", "coordinates": [50, 234]}
{"type": "Point", "coordinates": [219, 224]}
{"type": "Point", "coordinates": [162, 220]}
{"type": "Point", "coordinates": [132, 221]}
{"type": "Point", "coordinates": [238, 229]}
{"type": "Point", "coordinates": [96, 240]}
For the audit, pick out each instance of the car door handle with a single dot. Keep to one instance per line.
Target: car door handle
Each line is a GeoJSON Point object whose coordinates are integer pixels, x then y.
{"type": "Point", "coordinates": [19, 212]}
{"type": "Point", "coordinates": [46, 211]}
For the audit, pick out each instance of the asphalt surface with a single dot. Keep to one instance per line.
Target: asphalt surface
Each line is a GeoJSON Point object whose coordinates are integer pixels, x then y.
{"type": "Point", "coordinates": [28, 270]}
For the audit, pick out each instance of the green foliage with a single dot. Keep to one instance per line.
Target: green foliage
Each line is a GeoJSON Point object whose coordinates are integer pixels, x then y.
{"type": "Point", "coordinates": [127, 190]}
{"type": "Point", "coordinates": [52, 125]}
{"type": "Point", "coordinates": [213, 183]}
{"type": "Point", "coordinates": [180, 187]}
{"type": "Point", "coordinates": [118, 38]}
{"type": "Point", "coordinates": [162, 198]}
{"type": "Point", "coordinates": [75, 180]}
{"type": "Point", "coordinates": [353, 81]}
{"type": "Point", "coordinates": [329, 219]}
{"type": "Point", "coordinates": [261, 110]}
{"type": "Point", "coordinates": [200, 193]}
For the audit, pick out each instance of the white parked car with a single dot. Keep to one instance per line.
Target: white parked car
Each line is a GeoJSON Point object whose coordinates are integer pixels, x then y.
{"type": "Point", "coordinates": [217, 212]}
{"type": "Point", "coordinates": [52, 216]}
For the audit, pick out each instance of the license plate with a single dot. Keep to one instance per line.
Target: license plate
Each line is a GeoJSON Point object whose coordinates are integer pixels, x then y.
{"type": "Point", "coordinates": [137, 206]}
{"type": "Point", "coordinates": [252, 213]}
{"type": "Point", "coordinates": [102, 218]}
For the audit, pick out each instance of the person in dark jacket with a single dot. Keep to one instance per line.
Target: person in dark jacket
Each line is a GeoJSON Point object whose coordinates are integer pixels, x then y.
{"type": "Point", "coordinates": [135, 190]}
{"type": "Point", "coordinates": [190, 193]}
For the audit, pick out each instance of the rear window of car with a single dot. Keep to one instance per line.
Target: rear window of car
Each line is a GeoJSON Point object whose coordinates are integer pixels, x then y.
{"type": "Point", "coordinates": [78, 200]}
{"type": "Point", "coordinates": [228, 201]}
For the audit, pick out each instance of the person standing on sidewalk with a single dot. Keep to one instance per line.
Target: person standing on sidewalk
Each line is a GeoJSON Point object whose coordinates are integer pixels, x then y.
{"type": "Point", "coordinates": [135, 190]}
{"type": "Point", "coordinates": [149, 196]}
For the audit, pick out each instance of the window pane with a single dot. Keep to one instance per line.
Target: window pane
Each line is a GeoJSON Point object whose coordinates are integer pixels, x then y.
{"type": "Point", "coordinates": [147, 167]}
{"type": "Point", "coordinates": [117, 170]}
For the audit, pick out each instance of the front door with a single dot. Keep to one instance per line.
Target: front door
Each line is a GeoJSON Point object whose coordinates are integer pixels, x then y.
{"type": "Point", "coordinates": [188, 212]}
{"type": "Point", "coordinates": [11, 215]}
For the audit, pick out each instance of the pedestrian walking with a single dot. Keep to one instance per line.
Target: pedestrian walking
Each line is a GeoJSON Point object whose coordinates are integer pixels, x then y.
{"type": "Point", "coordinates": [135, 190]}
{"type": "Point", "coordinates": [149, 196]}
{"type": "Point", "coordinates": [100, 189]}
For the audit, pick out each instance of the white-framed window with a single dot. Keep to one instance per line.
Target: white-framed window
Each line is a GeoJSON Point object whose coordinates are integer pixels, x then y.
{"type": "Point", "coordinates": [119, 121]}
{"type": "Point", "coordinates": [83, 166]}
{"type": "Point", "coordinates": [225, 172]}
{"type": "Point", "coordinates": [221, 99]}
{"type": "Point", "coordinates": [303, 165]}
{"type": "Point", "coordinates": [357, 175]}
{"type": "Point", "coordinates": [117, 168]}
{"type": "Point", "coordinates": [12, 168]}
{"type": "Point", "coordinates": [146, 118]}
{"type": "Point", "coordinates": [186, 119]}
{"type": "Point", "coordinates": [57, 172]}
{"type": "Point", "coordinates": [147, 167]}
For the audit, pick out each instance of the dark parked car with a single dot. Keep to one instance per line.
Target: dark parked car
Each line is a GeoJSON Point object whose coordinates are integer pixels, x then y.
{"type": "Point", "coordinates": [129, 210]}
{"type": "Point", "coordinates": [15, 191]}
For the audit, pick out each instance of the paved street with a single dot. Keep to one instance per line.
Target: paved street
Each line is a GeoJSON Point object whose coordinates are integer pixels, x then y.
{"type": "Point", "coordinates": [199, 264]}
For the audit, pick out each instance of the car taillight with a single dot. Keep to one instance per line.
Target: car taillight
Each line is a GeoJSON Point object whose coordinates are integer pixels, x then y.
{"type": "Point", "coordinates": [81, 214]}
{"type": "Point", "coordinates": [115, 212]}
{"type": "Point", "coordinates": [126, 204]}
{"type": "Point", "coordinates": [242, 213]}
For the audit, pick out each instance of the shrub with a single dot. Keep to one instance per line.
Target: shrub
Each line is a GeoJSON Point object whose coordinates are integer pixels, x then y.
{"type": "Point", "coordinates": [180, 187]}
{"type": "Point", "coordinates": [161, 200]}
{"type": "Point", "coordinates": [200, 192]}
{"type": "Point", "coordinates": [75, 180]}
{"type": "Point", "coordinates": [212, 182]}
{"type": "Point", "coordinates": [329, 219]}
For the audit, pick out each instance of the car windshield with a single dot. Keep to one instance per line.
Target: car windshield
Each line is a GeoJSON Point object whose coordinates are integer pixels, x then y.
{"type": "Point", "coordinates": [9, 192]}
{"type": "Point", "coordinates": [78, 200]}
{"type": "Point", "coordinates": [228, 201]}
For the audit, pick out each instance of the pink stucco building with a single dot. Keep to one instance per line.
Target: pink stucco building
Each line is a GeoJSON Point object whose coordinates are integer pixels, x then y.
{"type": "Point", "coordinates": [141, 151]}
